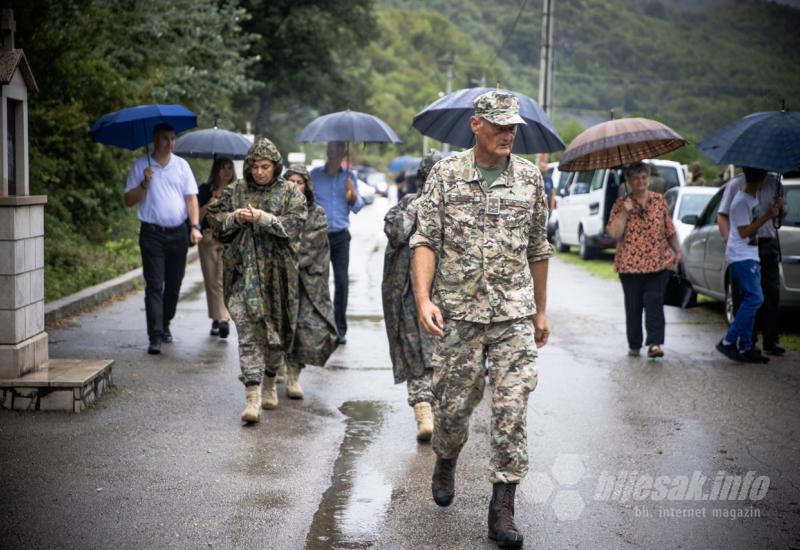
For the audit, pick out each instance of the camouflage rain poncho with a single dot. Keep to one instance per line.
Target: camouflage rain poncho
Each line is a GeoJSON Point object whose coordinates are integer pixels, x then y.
{"type": "Point", "coordinates": [410, 347]}
{"type": "Point", "coordinates": [315, 337]}
{"type": "Point", "coordinates": [261, 260]}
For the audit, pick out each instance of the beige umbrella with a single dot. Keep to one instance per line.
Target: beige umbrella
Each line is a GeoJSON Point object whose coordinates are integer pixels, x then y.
{"type": "Point", "coordinates": [619, 142]}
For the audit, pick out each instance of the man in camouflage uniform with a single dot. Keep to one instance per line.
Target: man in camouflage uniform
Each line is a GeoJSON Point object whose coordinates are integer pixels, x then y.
{"type": "Point", "coordinates": [410, 347]}
{"type": "Point", "coordinates": [259, 219]}
{"type": "Point", "coordinates": [480, 274]}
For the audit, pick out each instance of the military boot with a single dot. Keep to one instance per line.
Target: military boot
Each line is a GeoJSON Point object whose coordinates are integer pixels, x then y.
{"type": "Point", "coordinates": [443, 485]}
{"type": "Point", "coordinates": [280, 378]}
{"type": "Point", "coordinates": [424, 416]}
{"type": "Point", "coordinates": [293, 389]}
{"type": "Point", "coordinates": [269, 393]}
{"type": "Point", "coordinates": [252, 411]}
{"type": "Point", "coordinates": [501, 516]}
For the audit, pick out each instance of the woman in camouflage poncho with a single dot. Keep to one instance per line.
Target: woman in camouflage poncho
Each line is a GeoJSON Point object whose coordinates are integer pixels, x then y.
{"type": "Point", "coordinates": [410, 347]}
{"type": "Point", "coordinates": [259, 219]}
{"type": "Point", "coordinates": [315, 337]}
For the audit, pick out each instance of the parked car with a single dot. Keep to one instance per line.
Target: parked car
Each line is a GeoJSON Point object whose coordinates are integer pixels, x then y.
{"type": "Point", "coordinates": [586, 202]}
{"type": "Point", "coordinates": [560, 181]}
{"type": "Point", "coordinates": [377, 180]}
{"type": "Point", "coordinates": [704, 265]}
{"type": "Point", "coordinates": [686, 201]}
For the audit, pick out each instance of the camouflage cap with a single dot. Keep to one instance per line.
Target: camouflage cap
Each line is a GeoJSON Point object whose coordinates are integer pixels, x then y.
{"type": "Point", "coordinates": [498, 107]}
{"type": "Point", "coordinates": [431, 157]}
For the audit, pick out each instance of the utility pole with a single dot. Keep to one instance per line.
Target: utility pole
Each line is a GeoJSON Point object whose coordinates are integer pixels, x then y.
{"type": "Point", "coordinates": [546, 58]}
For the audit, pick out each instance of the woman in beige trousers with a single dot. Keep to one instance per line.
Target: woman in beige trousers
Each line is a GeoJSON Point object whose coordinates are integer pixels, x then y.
{"type": "Point", "coordinates": [210, 249]}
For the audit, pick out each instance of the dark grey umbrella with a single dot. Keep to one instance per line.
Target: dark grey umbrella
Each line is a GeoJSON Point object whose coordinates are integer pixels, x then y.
{"type": "Point", "coordinates": [212, 143]}
{"type": "Point", "coordinates": [447, 119]}
{"type": "Point", "coordinates": [769, 140]}
{"type": "Point", "coordinates": [348, 126]}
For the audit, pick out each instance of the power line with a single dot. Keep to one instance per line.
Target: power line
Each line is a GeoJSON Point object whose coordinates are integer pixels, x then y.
{"type": "Point", "coordinates": [510, 33]}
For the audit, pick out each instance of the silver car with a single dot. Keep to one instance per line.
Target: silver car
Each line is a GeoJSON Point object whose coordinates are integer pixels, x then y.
{"type": "Point", "coordinates": [704, 263]}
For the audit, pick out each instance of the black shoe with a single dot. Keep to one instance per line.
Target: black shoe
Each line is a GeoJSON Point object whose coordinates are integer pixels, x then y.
{"type": "Point", "coordinates": [501, 516]}
{"type": "Point", "coordinates": [214, 329]}
{"type": "Point", "coordinates": [155, 347]}
{"type": "Point", "coordinates": [753, 355]}
{"type": "Point", "coordinates": [166, 336]}
{"type": "Point", "coordinates": [775, 349]}
{"type": "Point", "coordinates": [342, 340]}
{"type": "Point", "coordinates": [730, 351]}
{"type": "Point", "coordinates": [443, 484]}
{"type": "Point", "coordinates": [224, 329]}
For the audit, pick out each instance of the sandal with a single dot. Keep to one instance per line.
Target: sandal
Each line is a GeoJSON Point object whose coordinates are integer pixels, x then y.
{"type": "Point", "coordinates": [655, 351]}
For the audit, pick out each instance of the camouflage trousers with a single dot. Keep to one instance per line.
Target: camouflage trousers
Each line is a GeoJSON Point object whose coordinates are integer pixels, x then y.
{"type": "Point", "coordinates": [458, 383]}
{"type": "Point", "coordinates": [255, 357]}
{"type": "Point", "coordinates": [419, 388]}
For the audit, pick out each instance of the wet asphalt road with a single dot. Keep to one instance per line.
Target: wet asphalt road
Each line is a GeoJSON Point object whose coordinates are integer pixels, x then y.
{"type": "Point", "coordinates": [164, 462]}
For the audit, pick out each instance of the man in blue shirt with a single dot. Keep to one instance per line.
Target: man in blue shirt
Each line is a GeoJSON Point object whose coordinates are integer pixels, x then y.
{"type": "Point", "coordinates": [336, 190]}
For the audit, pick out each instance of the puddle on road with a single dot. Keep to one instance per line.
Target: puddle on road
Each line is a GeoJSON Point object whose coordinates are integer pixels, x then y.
{"type": "Point", "coordinates": [354, 505]}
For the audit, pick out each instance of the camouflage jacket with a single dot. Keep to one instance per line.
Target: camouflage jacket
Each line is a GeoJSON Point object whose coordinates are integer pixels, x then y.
{"type": "Point", "coordinates": [261, 259]}
{"type": "Point", "coordinates": [410, 347]}
{"type": "Point", "coordinates": [484, 238]}
{"type": "Point", "coordinates": [315, 337]}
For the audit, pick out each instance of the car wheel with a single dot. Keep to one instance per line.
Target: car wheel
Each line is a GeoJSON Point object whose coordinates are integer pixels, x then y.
{"type": "Point", "coordinates": [730, 312]}
{"type": "Point", "coordinates": [560, 246]}
{"type": "Point", "coordinates": [585, 251]}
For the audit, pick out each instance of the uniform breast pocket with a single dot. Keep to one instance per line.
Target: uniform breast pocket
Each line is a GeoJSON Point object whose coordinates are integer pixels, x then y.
{"type": "Point", "coordinates": [513, 227]}
{"type": "Point", "coordinates": [460, 221]}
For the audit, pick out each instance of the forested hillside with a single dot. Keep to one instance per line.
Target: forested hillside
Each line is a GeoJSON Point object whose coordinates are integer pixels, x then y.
{"type": "Point", "coordinates": [694, 68]}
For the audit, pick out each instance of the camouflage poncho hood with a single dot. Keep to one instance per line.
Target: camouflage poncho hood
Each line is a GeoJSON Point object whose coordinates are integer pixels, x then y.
{"type": "Point", "coordinates": [262, 149]}
{"type": "Point", "coordinates": [302, 171]}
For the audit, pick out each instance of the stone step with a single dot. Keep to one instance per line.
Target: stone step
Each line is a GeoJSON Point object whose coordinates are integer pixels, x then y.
{"type": "Point", "coordinates": [70, 385]}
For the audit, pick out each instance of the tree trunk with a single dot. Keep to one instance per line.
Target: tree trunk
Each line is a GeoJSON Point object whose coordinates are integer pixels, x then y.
{"type": "Point", "coordinates": [264, 107]}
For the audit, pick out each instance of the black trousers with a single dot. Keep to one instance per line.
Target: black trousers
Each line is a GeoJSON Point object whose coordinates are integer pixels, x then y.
{"type": "Point", "coordinates": [340, 260]}
{"type": "Point", "coordinates": [644, 291]}
{"type": "Point", "coordinates": [767, 318]}
{"type": "Point", "coordinates": [163, 263]}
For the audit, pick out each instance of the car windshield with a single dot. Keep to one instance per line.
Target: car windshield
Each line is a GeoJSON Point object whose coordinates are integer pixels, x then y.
{"type": "Point", "coordinates": [692, 205]}
{"type": "Point", "coordinates": [663, 178]}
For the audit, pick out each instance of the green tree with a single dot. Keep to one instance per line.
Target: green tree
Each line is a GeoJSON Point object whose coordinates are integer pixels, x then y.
{"type": "Point", "coordinates": [307, 53]}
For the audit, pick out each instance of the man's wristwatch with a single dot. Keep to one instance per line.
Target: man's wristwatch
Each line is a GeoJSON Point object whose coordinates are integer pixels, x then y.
{"type": "Point", "coordinates": [198, 227]}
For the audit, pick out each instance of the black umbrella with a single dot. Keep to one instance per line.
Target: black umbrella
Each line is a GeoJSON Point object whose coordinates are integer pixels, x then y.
{"type": "Point", "coordinates": [447, 120]}
{"type": "Point", "coordinates": [212, 143]}
{"type": "Point", "coordinates": [348, 126]}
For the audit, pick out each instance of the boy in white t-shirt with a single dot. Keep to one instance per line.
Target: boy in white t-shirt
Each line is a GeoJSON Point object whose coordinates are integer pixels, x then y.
{"type": "Point", "coordinates": [741, 254]}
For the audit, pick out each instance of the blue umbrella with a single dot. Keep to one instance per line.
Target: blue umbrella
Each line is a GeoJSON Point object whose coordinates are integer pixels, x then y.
{"type": "Point", "coordinates": [348, 126]}
{"type": "Point", "coordinates": [212, 143]}
{"type": "Point", "coordinates": [768, 140]}
{"type": "Point", "coordinates": [132, 128]}
{"type": "Point", "coordinates": [401, 163]}
{"type": "Point", "coordinates": [447, 120]}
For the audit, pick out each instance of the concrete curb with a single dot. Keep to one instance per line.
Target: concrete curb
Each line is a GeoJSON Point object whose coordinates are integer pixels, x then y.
{"type": "Point", "coordinates": [97, 294]}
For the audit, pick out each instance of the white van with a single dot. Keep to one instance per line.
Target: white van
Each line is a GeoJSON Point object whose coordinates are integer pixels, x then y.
{"type": "Point", "coordinates": [586, 201]}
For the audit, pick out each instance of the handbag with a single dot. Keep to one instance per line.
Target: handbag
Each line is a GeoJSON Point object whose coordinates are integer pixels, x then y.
{"type": "Point", "coordinates": [679, 292]}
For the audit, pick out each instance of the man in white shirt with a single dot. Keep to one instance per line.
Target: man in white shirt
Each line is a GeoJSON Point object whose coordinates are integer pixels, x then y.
{"type": "Point", "coordinates": [741, 253]}
{"type": "Point", "coordinates": [164, 189]}
{"type": "Point", "coordinates": [769, 255]}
